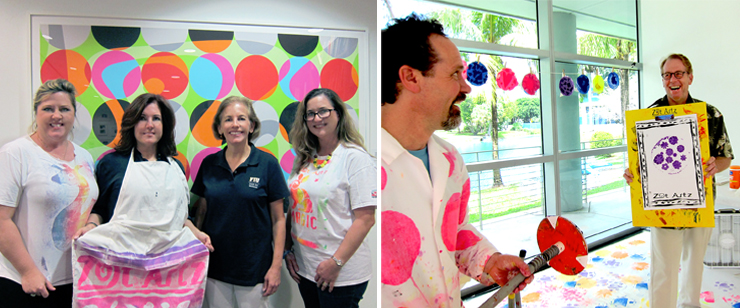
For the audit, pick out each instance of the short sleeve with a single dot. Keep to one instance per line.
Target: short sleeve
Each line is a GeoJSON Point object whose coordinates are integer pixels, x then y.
{"type": "Point", "coordinates": [277, 187]}
{"type": "Point", "coordinates": [362, 180]}
{"type": "Point", "coordinates": [11, 178]}
{"type": "Point", "coordinates": [198, 187]}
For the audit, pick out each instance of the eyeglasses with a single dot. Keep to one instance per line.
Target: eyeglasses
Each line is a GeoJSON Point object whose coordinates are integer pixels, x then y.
{"type": "Point", "coordinates": [667, 76]}
{"type": "Point", "coordinates": [322, 113]}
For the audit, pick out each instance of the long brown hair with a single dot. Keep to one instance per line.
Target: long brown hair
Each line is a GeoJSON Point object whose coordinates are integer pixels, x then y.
{"type": "Point", "coordinates": [306, 143]}
{"type": "Point", "coordinates": [166, 145]}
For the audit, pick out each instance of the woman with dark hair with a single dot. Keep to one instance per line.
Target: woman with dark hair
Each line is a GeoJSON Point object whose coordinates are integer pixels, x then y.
{"type": "Point", "coordinates": [47, 189]}
{"type": "Point", "coordinates": [333, 194]}
{"type": "Point", "coordinates": [141, 219]}
{"type": "Point", "coordinates": [241, 191]}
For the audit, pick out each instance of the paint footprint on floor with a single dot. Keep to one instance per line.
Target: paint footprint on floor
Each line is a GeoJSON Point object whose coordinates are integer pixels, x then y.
{"type": "Point", "coordinates": [622, 302]}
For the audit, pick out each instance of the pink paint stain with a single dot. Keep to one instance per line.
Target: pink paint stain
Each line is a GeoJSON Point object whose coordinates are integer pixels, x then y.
{"type": "Point", "coordinates": [466, 239]}
{"type": "Point", "coordinates": [450, 221]}
{"type": "Point", "coordinates": [450, 158]}
{"type": "Point", "coordinates": [707, 296]}
{"type": "Point", "coordinates": [383, 178]}
{"type": "Point", "coordinates": [400, 245]}
{"type": "Point", "coordinates": [464, 201]}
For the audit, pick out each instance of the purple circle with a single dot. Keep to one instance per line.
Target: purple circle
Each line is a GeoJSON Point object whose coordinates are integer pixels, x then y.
{"type": "Point", "coordinates": [665, 166]}
{"type": "Point", "coordinates": [683, 157]}
{"type": "Point", "coordinates": [658, 159]}
{"type": "Point", "coordinates": [665, 154]}
{"type": "Point", "coordinates": [669, 152]}
{"type": "Point", "coordinates": [680, 148]}
{"type": "Point", "coordinates": [673, 140]}
{"type": "Point", "coordinates": [669, 159]}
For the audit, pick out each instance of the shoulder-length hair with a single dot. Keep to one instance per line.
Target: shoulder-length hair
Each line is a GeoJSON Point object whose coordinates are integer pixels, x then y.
{"type": "Point", "coordinates": [253, 119]}
{"type": "Point", "coordinates": [166, 145]}
{"type": "Point", "coordinates": [306, 143]}
{"type": "Point", "coordinates": [48, 88]}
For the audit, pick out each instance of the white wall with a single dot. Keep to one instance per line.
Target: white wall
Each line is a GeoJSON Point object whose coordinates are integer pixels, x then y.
{"type": "Point", "coordinates": [15, 57]}
{"type": "Point", "coordinates": [706, 31]}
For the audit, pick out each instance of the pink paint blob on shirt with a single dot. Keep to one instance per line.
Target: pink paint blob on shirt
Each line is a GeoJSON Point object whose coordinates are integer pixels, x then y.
{"type": "Point", "coordinates": [400, 243]}
{"type": "Point", "coordinates": [464, 201]}
{"type": "Point", "coordinates": [449, 221]}
{"type": "Point", "coordinates": [466, 239]}
{"type": "Point", "coordinates": [450, 158]}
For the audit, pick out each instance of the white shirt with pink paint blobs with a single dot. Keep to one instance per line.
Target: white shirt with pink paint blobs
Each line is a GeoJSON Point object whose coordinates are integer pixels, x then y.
{"type": "Point", "coordinates": [426, 239]}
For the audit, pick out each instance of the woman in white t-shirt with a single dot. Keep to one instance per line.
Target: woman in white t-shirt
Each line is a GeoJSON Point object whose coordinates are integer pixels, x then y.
{"type": "Point", "coordinates": [333, 201]}
{"type": "Point", "coordinates": [47, 189]}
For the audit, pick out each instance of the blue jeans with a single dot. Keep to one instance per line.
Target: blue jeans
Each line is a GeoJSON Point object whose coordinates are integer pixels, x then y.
{"type": "Point", "coordinates": [341, 297]}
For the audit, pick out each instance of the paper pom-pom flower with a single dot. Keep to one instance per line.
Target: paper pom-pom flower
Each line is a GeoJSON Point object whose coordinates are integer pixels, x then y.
{"type": "Point", "coordinates": [506, 79]}
{"type": "Point", "coordinates": [566, 86]}
{"type": "Point", "coordinates": [598, 84]}
{"type": "Point", "coordinates": [477, 74]}
{"type": "Point", "coordinates": [530, 83]}
{"type": "Point", "coordinates": [612, 80]}
{"type": "Point", "coordinates": [583, 84]}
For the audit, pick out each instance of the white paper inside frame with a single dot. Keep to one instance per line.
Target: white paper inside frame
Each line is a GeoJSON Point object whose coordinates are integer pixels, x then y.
{"type": "Point", "coordinates": [670, 163]}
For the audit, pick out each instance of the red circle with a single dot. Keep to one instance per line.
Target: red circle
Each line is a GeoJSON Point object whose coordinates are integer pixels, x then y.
{"type": "Point", "coordinates": [340, 76]}
{"type": "Point", "coordinates": [256, 77]}
{"type": "Point", "coordinates": [69, 65]}
{"type": "Point", "coordinates": [166, 74]}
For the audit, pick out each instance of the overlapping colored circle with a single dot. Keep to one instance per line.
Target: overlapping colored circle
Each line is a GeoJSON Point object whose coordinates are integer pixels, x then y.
{"type": "Point", "coordinates": [116, 74]}
{"type": "Point", "coordinates": [184, 161]}
{"type": "Point", "coordinates": [256, 77]}
{"type": "Point", "coordinates": [65, 36]}
{"type": "Point", "coordinates": [287, 116]}
{"type": "Point", "coordinates": [69, 65]}
{"type": "Point", "coordinates": [340, 76]}
{"type": "Point", "coordinates": [298, 45]}
{"type": "Point", "coordinates": [83, 124]}
{"type": "Point", "coordinates": [269, 121]}
{"type": "Point", "coordinates": [116, 38]}
{"type": "Point", "coordinates": [201, 121]}
{"type": "Point", "coordinates": [166, 74]}
{"type": "Point", "coordinates": [255, 43]}
{"type": "Point", "coordinates": [339, 47]}
{"type": "Point", "coordinates": [162, 39]}
{"type": "Point", "coordinates": [211, 76]}
{"type": "Point", "coordinates": [298, 76]}
{"type": "Point", "coordinates": [211, 41]}
{"type": "Point", "coordinates": [182, 121]}
{"type": "Point", "coordinates": [106, 121]}
{"type": "Point", "coordinates": [198, 160]}
{"type": "Point", "coordinates": [286, 161]}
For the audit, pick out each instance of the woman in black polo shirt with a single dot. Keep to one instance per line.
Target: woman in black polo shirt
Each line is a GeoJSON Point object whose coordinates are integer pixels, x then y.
{"type": "Point", "coordinates": [241, 191]}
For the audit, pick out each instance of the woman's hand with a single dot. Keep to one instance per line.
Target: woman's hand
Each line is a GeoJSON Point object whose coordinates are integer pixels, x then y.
{"type": "Point", "coordinates": [205, 239]}
{"type": "Point", "coordinates": [292, 266]}
{"type": "Point", "coordinates": [272, 281]}
{"type": "Point", "coordinates": [83, 230]}
{"type": "Point", "coordinates": [34, 283]}
{"type": "Point", "coordinates": [326, 274]}
{"type": "Point", "coordinates": [503, 268]}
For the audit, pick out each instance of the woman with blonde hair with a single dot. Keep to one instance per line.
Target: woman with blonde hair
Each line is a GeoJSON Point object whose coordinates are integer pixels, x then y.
{"type": "Point", "coordinates": [333, 201]}
{"type": "Point", "coordinates": [47, 189]}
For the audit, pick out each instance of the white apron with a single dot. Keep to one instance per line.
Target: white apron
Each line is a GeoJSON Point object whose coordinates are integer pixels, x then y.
{"type": "Point", "coordinates": [144, 256]}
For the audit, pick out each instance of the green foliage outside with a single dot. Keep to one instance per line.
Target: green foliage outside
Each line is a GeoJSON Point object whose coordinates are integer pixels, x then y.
{"type": "Point", "coordinates": [603, 140]}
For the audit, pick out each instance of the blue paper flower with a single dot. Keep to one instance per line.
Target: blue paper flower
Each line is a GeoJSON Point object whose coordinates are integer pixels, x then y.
{"type": "Point", "coordinates": [612, 80]}
{"type": "Point", "coordinates": [477, 74]}
{"type": "Point", "coordinates": [583, 84]}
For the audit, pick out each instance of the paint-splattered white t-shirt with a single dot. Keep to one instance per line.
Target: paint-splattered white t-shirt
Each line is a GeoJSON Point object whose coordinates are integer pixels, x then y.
{"type": "Point", "coordinates": [52, 199]}
{"type": "Point", "coordinates": [322, 201]}
{"type": "Point", "coordinates": [426, 240]}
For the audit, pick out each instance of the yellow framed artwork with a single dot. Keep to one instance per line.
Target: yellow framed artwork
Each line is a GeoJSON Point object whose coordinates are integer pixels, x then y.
{"type": "Point", "coordinates": [668, 147]}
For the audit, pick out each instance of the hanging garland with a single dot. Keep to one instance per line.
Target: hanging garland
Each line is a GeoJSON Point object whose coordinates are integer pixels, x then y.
{"type": "Point", "coordinates": [598, 84]}
{"type": "Point", "coordinates": [566, 85]}
{"type": "Point", "coordinates": [530, 83]}
{"type": "Point", "coordinates": [583, 84]}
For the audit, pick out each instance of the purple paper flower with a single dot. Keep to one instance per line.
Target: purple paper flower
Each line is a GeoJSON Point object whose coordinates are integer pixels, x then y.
{"type": "Point", "coordinates": [680, 148]}
{"type": "Point", "coordinates": [683, 157]}
{"type": "Point", "coordinates": [673, 139]}
{"type": "Point", "coordinates": [664, 144]}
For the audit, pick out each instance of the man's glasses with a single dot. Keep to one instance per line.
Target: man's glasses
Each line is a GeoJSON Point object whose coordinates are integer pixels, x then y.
{"type": "Point", "coordinates": [667, 76]}
{"type": "Point", "coordinates": [322, 113]}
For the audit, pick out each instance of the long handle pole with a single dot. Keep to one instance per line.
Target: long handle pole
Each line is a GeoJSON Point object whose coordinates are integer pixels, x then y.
{"type": "Point", "coordinates": [534, 265]}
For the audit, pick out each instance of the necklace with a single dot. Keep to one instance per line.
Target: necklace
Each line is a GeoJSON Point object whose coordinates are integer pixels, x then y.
{"type": "Point", "coordinates": [320, 163]}
{"type": "Point", "coordinates": [44, 146]}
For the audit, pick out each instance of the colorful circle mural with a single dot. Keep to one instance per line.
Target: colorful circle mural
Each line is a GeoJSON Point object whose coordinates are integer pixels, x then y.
{"type": "Point", "coordinates": [200, 123]}
{"type": "Point", "coordinates": [164, 39]}
{"type": "Point", "coordinates": [106, 121]}
{"type": "Point", "coordinates": [340, 76]}
{"type": "Point", "coordinates": [181, 121]}
{"type": "Point", "coordinates": [298, 76]}
{"type": "Point", "coordinates": [116, 75]}
{"type": "Point", "coordinates": [339, 47]}
{"type": "Point", "coordinates": [69, 65]}
{"type": "Point", "coordinates": [82, 127]}
{"type": "Point", "coordinates": [211, 76]}
{"type": "Point", "coordinates": [65, 36]}
{"type": "Point", "coordinates": [256, 77]}
{"type": "Point", "coordinates": [166, 74]}
{"type": "Point", "coordinates": [269, 121]}
{"type": "Point", "coordinates": [211, 41]}
{"type": "Point", "coordinates": [255, 43]}
{"type": "Point", "coordinates": [298, 45]}
{"type": "Point", "coordinates": [115, 38]}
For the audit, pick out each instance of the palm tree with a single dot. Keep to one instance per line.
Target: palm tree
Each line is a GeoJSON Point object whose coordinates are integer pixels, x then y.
{"type": "Point", "coordinates": [612, 48]}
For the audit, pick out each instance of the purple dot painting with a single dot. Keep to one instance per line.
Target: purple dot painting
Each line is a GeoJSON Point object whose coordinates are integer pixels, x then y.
{"type": "Point", "coordinates": [665, 154]}
{"type": "Point", "coordinates": [566, 86]}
